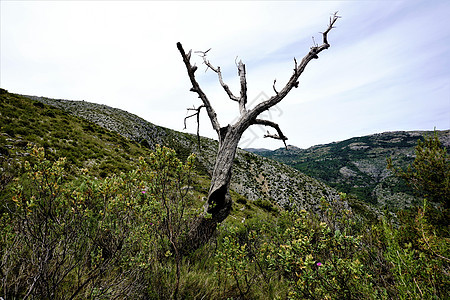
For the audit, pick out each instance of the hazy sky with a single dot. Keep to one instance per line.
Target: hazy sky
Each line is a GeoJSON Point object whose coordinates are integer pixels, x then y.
{"type": "Point", "coordinates": [388, 67]}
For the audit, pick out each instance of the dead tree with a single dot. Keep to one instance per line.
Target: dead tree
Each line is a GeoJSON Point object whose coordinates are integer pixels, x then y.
{"type": "Point", "coordinates": [218, 204]}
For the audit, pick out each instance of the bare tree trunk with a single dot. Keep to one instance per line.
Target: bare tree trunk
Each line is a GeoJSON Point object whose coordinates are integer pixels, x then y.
{"type": "Point", "coordinates": [218, 204]}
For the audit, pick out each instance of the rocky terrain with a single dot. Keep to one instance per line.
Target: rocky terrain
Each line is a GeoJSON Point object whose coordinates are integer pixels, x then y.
{"type": "Point", "coordinates": [128, 125]}
{"type": "Point", "coordinates": [359, 165]}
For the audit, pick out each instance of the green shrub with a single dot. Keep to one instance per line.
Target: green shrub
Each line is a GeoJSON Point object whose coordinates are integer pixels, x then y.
{"type": "Point", "coordinates": [429, 174]}
{"type": "Point", "coordinates": [107, 238]}
{"type": "Point", "coordinates": [266, 205]}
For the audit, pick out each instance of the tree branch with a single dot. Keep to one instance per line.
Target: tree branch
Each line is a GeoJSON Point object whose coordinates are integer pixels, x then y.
{"type": "Point", "coordinates": [333, 20]}
{"type": "Point", "coordinates": [298, 70]}
{"type": "Point", "coordinates": [279, 136]}
{"type": "Point", "coordinates": [197, 113]}
{"type": "Point", "coordinates": [219, 74]}
{"type": "Point", "coordinates": [243, 80]}
{"type": "Point", "coordinates": [196, 88]}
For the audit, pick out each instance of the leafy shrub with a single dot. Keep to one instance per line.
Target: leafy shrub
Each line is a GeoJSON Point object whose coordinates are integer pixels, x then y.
{"type": "Point", "coordinates": [429, 174]}
{"type": "Point", "coordinates": [314, 260]}
{"type": "Point", "coordinates": [96, 238]}
{"type": "Point", "coordinates": [266, 205]}
{"type": "Point", "coordinates": [333, 257]}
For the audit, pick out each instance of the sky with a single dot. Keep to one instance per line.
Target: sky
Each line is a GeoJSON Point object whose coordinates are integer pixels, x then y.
{"type": "Point", "coordinates": [388, 67]}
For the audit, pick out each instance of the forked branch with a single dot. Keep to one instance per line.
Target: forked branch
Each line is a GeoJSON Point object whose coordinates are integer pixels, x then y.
{"type": "Point", "coordinates": [196, 114]}
{"type": "Point", "coordinates": [196, 88]}
{"type": "Point", "coordinates": [242, 78]}
{"type": "Point", "coordinates": [279, 136]}
{"type": "Point", "coordinates": [298, 70]}
{"type": "Point", "coordinates": [219, 74]}
{"type": "Point", "coordinates": [333, 20]}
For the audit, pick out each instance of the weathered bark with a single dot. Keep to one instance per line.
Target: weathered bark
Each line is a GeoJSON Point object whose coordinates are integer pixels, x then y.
{"type": "Point", "coordinates": [218, 204]}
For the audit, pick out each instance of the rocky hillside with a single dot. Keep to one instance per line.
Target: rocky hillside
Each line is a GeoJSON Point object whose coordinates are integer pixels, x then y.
{"type": "Point", "coordinates": [254, 177]}
{"type": "Point", "coordinates": [113, 119]}
{"type": "Point", "coordinates": [358, 165]}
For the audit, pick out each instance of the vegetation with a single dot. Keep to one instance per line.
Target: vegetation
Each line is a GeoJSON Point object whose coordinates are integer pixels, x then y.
{"type": "Point", "coordinates": [284, 182]}
{"type": "Point", "coordinates": [67, 232]}
{"type": "Point", "coordinates": [92, 238]}
{"type": "Point", "coordinates": [429, 174]}
{"type": "Point", "coordinates": [120, 236]}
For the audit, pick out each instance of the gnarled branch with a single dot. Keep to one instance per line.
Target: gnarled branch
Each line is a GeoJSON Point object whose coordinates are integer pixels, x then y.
{"type": "Point", "coordinates": [279, 136]}
{"type": "Point", "coordinates": [299, 68]}
{"type": "Point", "coordinates": [196, 88]}
{"type": "Point", "coordinates": [219, 74]}
{"type": "Point", "coordinates": [197, 114]}
{"type": "Point", "coordinates": [225, 86]}
{"type": "Point", "coordinates": [333, 20]}
{"type": "Point", "coordinates": [243, 81]}
{"type": "Point", "coordinates": [242, 78]}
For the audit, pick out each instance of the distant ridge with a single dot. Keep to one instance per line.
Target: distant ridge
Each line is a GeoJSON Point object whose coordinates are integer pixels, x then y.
{"type": "Point", "coordinates": [257, 150]}
{"type": "Point", "coordinates": [358, 165]}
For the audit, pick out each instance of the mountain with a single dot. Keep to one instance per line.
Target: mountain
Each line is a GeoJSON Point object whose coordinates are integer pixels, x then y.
{"type": "Point", "coordinates": [105, 138]}
{"type": "Point", "coordinates": [257, 150]}
{"type": "Point", "coordinates": [358, 165]}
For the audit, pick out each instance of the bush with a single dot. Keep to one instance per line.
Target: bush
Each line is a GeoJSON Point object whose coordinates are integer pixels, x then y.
{"type": "Point", "coordinates": [95, 238]}
{"type": "Point", "coordinates": [304, 256]}
{"type": "Point", "coordinates": [266, 205]}
{"type": "Point", "coordinates": [71, 235]}
{"type": "Point", "coordinates": [429, 174]}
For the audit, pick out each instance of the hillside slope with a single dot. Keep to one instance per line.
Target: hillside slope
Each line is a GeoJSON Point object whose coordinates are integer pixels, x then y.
{"type": "Point", "coordinates": [358, 165]}
{"type": "Point", "coordinates": [253, 177]}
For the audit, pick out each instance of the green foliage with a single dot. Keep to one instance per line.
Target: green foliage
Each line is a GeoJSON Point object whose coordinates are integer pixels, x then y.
{"type": "Point", "coordinates": [233, 263]}
{"type": "Point", "coordinates": [46, 242]}
{"type": "Point", "coordinates": [166, 185]}
{"type": "Point", "coordinates": [332, 256]}
{"type": "Point", "coordinates": [415, 258]}
{"type": "Point", "coordinates": [429, 174]}
{"type": "Point", "coordinates": [103, 238]}
{"type": "Point", "coordinates": [315, 260]}
{"type": "Point", "coordinates": [355, 166]}
{"type": "Point", "coordinates": [65, 236]}
{"type": "Point", "coordinates": [266, 205]}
